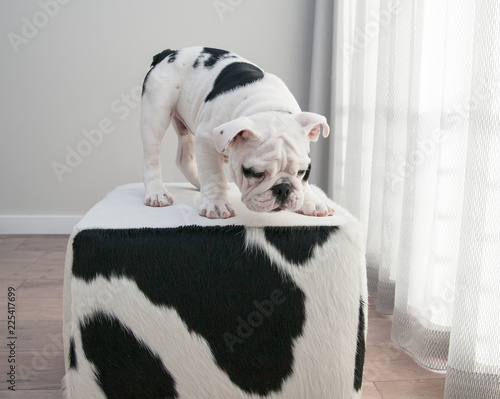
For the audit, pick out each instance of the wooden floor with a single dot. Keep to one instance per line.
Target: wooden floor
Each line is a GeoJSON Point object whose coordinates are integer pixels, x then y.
{"type": "Point", "coordinates": [33, 266]}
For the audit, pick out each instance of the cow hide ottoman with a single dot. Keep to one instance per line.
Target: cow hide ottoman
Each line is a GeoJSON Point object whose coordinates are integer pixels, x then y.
{"type": "Point", "coordinates": [164, 303]}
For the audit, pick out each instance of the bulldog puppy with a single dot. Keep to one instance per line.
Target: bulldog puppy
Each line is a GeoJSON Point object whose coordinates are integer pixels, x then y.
{"type": "Point", "coordinates": [227, 110]}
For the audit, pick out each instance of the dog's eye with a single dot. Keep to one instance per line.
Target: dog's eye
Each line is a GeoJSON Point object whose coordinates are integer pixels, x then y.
{"type": "Point", "coordinates": [304, 173]}
{"type": "Point", "coordinates": [250, 173]}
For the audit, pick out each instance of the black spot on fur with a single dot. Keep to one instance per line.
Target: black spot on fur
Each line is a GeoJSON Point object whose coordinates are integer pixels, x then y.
{"type": "Point", "coordinates": [72, 354]}
{"type": "Point", "coordinates": [219, 288]}
{"type": "Point", "coordinates": [171, 54]}
{"type": "Point", "coordinates": [360, 348]}
{"type": "Point", "coordinates": [307, 174]}
{"type": "Point", "coordinates": [212, 56]}
{"type": "Point", "coordinates": [125, 368]}
{"type": "Point", "coordinates": [297, 245]}
{"type": "Point", "coordinates": [233, 76]}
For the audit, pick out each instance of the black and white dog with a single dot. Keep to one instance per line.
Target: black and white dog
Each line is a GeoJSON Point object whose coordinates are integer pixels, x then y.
{"type": "Point", "coordinates": [226, 109]}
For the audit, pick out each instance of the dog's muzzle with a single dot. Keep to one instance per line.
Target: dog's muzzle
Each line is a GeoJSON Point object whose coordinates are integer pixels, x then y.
{"type": "Point", "coordinates": [281, 192]}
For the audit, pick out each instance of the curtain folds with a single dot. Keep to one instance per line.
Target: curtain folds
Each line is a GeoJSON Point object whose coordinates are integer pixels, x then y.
{"type": "Point", "coordinates": [412, 92]}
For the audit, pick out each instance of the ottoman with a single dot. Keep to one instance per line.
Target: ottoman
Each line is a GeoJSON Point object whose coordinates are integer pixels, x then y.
{"type": "Point", "coordinates": [164, 303]}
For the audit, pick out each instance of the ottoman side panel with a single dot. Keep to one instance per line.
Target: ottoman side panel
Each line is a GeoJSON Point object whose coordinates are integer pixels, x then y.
{"type": "Point", "coordinates": [327, 264]}
{"type": "Point", "coordinates": [68, 265]}
{"type": "Point", "coordinates": [246, 311]}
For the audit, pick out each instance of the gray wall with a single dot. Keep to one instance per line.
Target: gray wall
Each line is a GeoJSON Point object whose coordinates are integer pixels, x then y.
{"type": "Point", "coordinates": [71, 67]}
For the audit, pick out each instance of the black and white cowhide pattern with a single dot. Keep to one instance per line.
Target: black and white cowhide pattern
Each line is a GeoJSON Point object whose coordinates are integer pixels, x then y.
{"type": "Point", "coordinates": [216, 312]}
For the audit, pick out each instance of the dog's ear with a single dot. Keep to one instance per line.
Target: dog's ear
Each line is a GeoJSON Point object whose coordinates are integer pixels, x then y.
{"type": "Point", "coordinates": [313, 124]}
{"type": "Point", "coordinates": [227, 132]}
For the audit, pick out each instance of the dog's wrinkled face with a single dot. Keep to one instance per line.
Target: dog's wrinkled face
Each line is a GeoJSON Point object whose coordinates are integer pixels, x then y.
{"type": "Point", "coordinates": [270, 172]}
{"type": "Point", "coordinates": [268, 157]}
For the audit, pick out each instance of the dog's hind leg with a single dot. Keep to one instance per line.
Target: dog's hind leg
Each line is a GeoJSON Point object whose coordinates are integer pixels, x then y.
{"type": "Point", "coordinates": [155, 119]}
{"type": "Point", "coordinates": [185, 159]}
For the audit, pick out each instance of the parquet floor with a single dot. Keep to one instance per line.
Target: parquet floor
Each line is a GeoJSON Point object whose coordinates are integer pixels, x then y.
{"type": "Point", "coordinates": [33, 266]}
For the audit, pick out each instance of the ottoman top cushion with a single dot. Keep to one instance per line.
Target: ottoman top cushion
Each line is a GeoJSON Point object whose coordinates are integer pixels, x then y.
{"type": "Point", "coordinates": [123, 208]}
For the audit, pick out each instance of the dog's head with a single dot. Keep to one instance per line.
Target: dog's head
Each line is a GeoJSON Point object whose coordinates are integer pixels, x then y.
{"type": "Point", "coordinates": [268, 156]}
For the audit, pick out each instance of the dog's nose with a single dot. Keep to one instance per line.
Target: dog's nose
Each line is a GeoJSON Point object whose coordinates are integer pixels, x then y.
{"type": "Point", "coordinates": [281, 191]}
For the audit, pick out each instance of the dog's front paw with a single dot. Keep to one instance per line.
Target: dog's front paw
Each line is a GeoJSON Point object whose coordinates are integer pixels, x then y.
{"type": "Point", "coordinates": [216, 209]}
{"type": "Point", "coordinates": [158, 196]}
{"type": "Point", "coordinates": [316, 207]}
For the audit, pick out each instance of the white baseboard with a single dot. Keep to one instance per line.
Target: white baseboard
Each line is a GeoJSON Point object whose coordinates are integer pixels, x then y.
{"type": "Point", "coordinates": [37, 224]}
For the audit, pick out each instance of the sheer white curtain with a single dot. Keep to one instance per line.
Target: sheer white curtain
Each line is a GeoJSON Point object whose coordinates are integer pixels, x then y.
{"type": "Point", "coordinates": [412, 91]}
